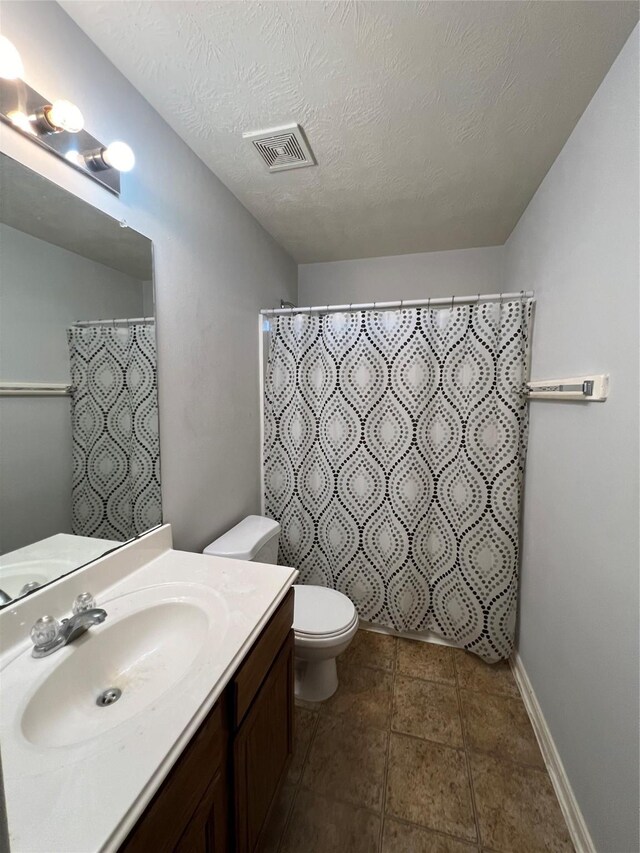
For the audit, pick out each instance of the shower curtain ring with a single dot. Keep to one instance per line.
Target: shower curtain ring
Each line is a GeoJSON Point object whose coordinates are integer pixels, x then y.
{"type": "Point", "coordinates": [452, 298]}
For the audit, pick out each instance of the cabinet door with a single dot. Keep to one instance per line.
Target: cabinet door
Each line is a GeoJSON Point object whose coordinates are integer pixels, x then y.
{"type": "Point", "coordinates": [207, 830]}
{"type": "Point", "coordinates": [192, 780]}
{"type": "Point", "coordinates": [262, 749]}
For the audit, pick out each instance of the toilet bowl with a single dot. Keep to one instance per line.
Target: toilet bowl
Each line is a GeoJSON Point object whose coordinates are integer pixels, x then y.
{"type": "Point", "coordinates": [324, 620]}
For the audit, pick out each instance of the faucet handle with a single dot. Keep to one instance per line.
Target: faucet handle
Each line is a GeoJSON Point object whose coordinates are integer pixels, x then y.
{"type": "Point", "coordinates": [45, 631]}
{"type": "Point", "coordinates": [85, 601]}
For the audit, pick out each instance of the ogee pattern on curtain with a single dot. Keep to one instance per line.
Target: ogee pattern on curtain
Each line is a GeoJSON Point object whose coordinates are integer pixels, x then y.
{"type": "Point", "coordinates": [393, 459]}
{"type": "Point", "coordinates": [114, 424]}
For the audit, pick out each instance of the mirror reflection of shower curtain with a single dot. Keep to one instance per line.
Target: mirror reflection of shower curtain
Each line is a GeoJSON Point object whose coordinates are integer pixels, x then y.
{"type": "Point", "coordinates": [393, 459]}
{"type": "Point", "coordinates": [114, 421]}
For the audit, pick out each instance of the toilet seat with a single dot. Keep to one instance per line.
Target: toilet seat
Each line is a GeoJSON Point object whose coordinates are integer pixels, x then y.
{"type": "Point", "coordinates": [334, 635]}
{"type": "Point", "coordinates": [321, 612]}
{"type": "Point", "coordinates": [322, 616]}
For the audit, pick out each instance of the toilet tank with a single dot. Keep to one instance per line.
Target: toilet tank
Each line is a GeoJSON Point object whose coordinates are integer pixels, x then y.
{"type": "Point", "coordinates": [254, 538]}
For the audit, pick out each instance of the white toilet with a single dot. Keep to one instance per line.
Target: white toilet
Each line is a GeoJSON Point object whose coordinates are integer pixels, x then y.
{"type": "Point", "coordinates": [324, 620]}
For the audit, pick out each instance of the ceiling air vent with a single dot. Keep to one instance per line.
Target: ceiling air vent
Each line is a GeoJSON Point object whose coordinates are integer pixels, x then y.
{"type": "Point", "coordinates": [282, 147]}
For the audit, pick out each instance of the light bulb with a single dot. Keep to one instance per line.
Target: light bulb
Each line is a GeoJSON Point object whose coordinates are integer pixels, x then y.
{"type": "Point", "coordinates": [11, 65]}
{"type": "Point", "coordinates": [119, 156]}
{"type": "Point", "coordinates": [63, 115]}
{"type": "Point", "coordinates": [21, 120]}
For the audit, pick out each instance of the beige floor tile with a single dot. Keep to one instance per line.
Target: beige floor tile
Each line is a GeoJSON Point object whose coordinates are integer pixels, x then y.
{"type": "Point", "coordinates": [499, 725]}
{"type": "Point", "coordinates": [308, 706]}
{"type": "Point", "coordinates": [428, 784]}
{"type": "Point", "coordinates": [277, 820]}
{"type": "Point", "coordinates": [474, 674]}
{"type": "Point", "coordinates": [321, 825]}
{"type": "Point", "coordinates": [368, 648]}
{"type": "Point", "coordinates": [405, 838]}
{"type": "Point", "coordinates": [305, 722]}
{"type": "Point", "coordinates": [347, 761]}
{"type": "Point", "coordinates": [364, 695]}
{"type": "Point", "coordinates": [425, 660]}
{"type": "Point", "coordinates": [426, 709]}
{"type": "Point", "coordinates": [517, 808]}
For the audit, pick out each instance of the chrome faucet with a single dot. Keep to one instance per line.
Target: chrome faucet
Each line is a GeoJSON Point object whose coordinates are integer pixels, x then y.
{"type": "Point", "coordinates": [49, 635]}
{"type": "Point", "coordinates": [5, 598]}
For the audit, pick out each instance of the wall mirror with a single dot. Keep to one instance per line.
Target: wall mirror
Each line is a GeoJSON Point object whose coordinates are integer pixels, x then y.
{"type": "Point", "coordinates": [79, 445]}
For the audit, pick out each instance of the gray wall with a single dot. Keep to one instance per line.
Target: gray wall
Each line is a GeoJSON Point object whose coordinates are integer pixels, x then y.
{"type": "Point", "coordinates": [460, 272]}
{"type": "Point", "coordinates": [148, 306]}
{"type": "Point", "coordinates": [43, 289]}
{"type": "Point", "coordinates": [577, 247]}
{"type": "Point", "coordinates": [215, 266]}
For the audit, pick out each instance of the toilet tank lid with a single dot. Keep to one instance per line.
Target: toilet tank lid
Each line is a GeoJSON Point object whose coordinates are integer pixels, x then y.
{"type": "Point", "coordinates": [244, 540]}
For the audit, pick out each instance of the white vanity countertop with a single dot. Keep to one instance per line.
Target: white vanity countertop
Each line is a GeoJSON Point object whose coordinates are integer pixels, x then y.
{"type": "Point", "coordinates": [86, 796]}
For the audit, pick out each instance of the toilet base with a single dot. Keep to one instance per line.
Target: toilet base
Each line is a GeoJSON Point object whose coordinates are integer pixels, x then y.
{"type": "Point", "coordinates": [315, 680]}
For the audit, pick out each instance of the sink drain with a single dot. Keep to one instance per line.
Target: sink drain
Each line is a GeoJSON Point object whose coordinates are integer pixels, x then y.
{"type": "Point", "coordinates": [108, 697]}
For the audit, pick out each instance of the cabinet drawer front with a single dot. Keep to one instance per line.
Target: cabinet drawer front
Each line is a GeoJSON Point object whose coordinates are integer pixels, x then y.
{"type": "Point", "coordinates": [252, 672]}
{"type": "Point", "coordinates": [174, 805]}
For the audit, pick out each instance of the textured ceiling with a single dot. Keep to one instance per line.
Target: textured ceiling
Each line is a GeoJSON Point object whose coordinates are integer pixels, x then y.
{"type": "Point", "coordinates": [432, 123]}
{"type": "Point", "coordinates": [43, 209]}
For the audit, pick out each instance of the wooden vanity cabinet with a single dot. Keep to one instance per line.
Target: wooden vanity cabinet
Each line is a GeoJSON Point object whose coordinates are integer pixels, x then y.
{"type": "Point", "coordinates": [262, 748]}
{"type": "Point", "coordinates": [208, 829]}
{"type": "Point", "coordinates": [219, 794]}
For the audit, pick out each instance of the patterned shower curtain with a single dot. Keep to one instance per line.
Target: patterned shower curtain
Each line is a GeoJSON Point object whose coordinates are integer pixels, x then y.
{"type": "Point", "coordinates": [393, 459]}
{"type": "Point", "coordinates": [114, 423]}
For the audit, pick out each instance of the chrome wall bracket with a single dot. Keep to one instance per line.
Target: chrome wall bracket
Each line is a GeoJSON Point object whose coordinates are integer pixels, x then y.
{"type": "Point", "coordinates": [589, 389]}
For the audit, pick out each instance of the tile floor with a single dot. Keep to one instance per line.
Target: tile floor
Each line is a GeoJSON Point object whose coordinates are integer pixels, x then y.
{"type": "Point", "coordinates": [423, 749]}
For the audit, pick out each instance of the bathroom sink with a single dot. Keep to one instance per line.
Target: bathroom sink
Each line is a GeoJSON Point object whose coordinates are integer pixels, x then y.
{"type": "Point", "coordinates": [149, 644]}
{"type": "Point", "coordinates": [15, 577]}
{"type": "Point", "coordinates": [48, 559]}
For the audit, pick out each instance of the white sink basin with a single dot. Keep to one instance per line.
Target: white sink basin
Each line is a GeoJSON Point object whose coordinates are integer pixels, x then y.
{"type": "Point", "coordinates": [49, 559]}
{"type": "Point", "coordinates": [14, 577]}
{"type": "Point", "coordinates": [149, 644]}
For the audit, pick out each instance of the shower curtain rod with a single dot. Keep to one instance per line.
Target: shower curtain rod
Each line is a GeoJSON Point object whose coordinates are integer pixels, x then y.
{"type": "Point", "coordinates": [436, 302]}
{"type": "Point", "coordinates": [124, 322]}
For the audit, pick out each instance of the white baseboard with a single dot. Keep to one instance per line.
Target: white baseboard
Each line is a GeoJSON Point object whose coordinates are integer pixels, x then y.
{"type": "Point", "coordinates": [576, 825]}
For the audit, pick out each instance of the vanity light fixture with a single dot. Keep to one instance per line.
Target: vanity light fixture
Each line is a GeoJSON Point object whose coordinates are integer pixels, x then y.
{"type": "Point", "coordinates": [21, 121]}
{"type": "Point", "coordinates": [57, 125]}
